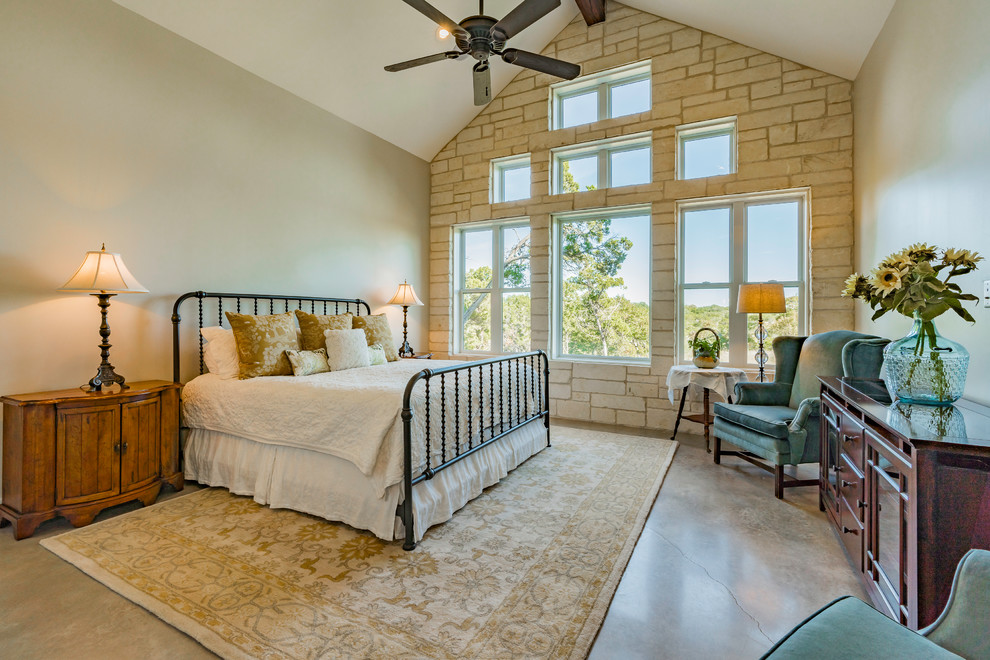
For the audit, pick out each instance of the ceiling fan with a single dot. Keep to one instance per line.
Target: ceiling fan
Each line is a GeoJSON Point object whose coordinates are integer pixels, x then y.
{"type": "Point", "coordinates": [483, 36]}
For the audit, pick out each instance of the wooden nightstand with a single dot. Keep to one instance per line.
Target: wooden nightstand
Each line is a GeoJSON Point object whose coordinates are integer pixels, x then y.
{"type": "Point", "coordinates": [73, 453]}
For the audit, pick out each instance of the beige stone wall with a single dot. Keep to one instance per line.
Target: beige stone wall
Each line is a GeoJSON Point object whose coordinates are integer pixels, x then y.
{"type": "Point", "coordinates": [795, 129]}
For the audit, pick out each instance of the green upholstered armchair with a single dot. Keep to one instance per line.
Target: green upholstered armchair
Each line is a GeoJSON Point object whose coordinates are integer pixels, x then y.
{"type": "Point", "coordinates": [849, 628]}
{"type": "Point", "coordinates": [776, 424]}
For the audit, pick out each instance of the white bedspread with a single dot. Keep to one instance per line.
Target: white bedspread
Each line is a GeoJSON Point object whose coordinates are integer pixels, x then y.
{"type": "Point", "coordinates": [354, 415]}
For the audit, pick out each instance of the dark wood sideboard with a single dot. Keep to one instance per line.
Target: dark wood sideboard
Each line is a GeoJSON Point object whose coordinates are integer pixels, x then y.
{"type": "Point", "coordinates": [907, 488]}
{"type": "Point", "coordinates": [74, 453]}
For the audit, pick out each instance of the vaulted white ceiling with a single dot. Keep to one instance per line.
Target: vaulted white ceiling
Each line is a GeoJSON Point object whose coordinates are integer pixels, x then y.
{"type": "Point", "coordinates": [332, 52]}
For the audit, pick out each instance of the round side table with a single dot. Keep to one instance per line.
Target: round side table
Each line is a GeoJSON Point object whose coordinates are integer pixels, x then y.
{"type": "Point", "coordinates": [721, 380]}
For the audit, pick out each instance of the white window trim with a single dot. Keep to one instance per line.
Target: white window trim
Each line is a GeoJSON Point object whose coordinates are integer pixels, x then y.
{"type": "Point", "coordinates": [737, 322]}
{"type": "Point", "coordinates": [602, 82]}
{"type": "Point", "coordinates": [496, 180]}
{"type": "Point", "coordinates": [498, 280]}
{"type": "Point", "coordinates": [701, 130]}
{"type": "Point", "coordinates": [603, 149]}
{"type": "Point", "coordinates": [557, 289]}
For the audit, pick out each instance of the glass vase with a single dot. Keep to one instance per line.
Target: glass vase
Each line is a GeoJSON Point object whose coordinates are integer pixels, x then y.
{"type": "Point", "coordinates": [925, 367]}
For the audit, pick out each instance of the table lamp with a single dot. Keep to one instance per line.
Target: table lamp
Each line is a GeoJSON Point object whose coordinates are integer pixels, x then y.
{"type": "Point", "coordinates": [103, 274]}
{"type": "Point", "coordinates": [764, 298]}
{"type": "Point", "coordinates": [405, 296]}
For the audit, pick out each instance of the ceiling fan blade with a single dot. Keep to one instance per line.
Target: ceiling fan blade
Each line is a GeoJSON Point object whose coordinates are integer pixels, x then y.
{"type": "Point", "coordinates": [438, 17]}
{"type": "Point", "coordinates": [482, 83]}
{"type": "Point", "coordinates": [525, 14]}
{"type": "Point", "coordinates": [541, 63]}
{"type": "Point", "coordinates": [408, 64]}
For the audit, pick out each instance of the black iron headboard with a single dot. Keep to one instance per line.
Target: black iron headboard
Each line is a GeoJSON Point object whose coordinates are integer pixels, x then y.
{"type": "Point", "coordinates": [251, 305]}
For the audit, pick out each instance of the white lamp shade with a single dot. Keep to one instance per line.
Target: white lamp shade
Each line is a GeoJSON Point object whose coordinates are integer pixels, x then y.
{"type": "Point", "coordinates": [103, 272]}
{"type": "Point", "coordinates": [405, 296]}
{"type": "Point", "coordinates": [765, 298]}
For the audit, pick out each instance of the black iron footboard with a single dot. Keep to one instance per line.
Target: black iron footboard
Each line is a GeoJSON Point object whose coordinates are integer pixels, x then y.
{"type": "Point", "coordinates": [498, 396]}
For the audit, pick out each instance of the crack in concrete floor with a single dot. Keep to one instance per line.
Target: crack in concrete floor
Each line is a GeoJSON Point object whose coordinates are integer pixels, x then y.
{"type": "Point", "coordinates": [714, 579]}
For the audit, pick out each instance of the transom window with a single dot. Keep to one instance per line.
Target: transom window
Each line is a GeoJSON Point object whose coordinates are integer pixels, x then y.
{"type": "Point", "coordinates": [601, 285]}
{"type": "Point", "coordinates": [729, 241]}
{"type": "Point", "coordinates": [510, 179]}
{"type": "Point", "coordinates": [624, 161]}
{"type": "Point", "coordinates": [493, 287]}
{"type": "Point", "coordinates": [706, 148]}
{"type": "Point", "coordinates": [614, 93]}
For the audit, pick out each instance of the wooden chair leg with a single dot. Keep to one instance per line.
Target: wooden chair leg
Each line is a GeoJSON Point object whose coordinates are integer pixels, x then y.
{"type": "Point", "coordinates": [778, 481]}
{"type": "Point", "coordinates": [717, 451]}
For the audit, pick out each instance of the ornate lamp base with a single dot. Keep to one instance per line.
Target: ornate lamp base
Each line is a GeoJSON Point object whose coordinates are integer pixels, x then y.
{"type": "Point", "coordinates": [406, 350]}
{"type": "Point", "coordinates": [105, 375]}
{"type": "Point", "coordinates": [761, 355]}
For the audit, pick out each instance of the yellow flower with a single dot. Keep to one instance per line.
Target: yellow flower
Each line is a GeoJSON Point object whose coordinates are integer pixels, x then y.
{"type": "Point", "coordinates": [856, 286]}
{"type": "Point", "coordinates": [963, 258]}
{"type": "Point", "coordinates": [922, 252]}
{"type": "Point", "coordinates": [898, 260]}
{"type": "Point", "coordinates": [886, 280]}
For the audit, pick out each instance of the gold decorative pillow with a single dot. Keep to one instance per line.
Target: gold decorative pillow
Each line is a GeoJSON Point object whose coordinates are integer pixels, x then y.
{"type": "Point", "coordinates": [313, 326]}
{"type": "Point", "coordinates": [262, 342]}
{"type": "Point", "coordinates": [378, 331]}
{"type": "Point", "coordinates": [305, 363]}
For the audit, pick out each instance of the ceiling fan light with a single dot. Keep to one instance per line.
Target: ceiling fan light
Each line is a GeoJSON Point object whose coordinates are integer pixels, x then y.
{"type": "Point", "coordinates": [442, 33]}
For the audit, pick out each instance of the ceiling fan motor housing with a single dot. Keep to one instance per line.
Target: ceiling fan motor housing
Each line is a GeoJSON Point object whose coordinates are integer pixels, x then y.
{"type": "Point", "coordinates": [480, 42]}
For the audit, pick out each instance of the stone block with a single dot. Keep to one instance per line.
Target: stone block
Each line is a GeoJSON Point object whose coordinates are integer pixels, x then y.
{"type": "Point", "coordinates": [631, 419]}
{"type": "Point", "coordinates": [598, 386]}
{"type": "Point", "coordinates": [616, 402]}
{"type": "Point", "coordinates": [603, 415]}
{"type": "Point", "coordinates": [573, 410]}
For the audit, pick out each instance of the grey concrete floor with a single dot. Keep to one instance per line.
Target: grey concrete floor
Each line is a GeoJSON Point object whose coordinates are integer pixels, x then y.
{"type": "Point", "coordinates": [721, 570]}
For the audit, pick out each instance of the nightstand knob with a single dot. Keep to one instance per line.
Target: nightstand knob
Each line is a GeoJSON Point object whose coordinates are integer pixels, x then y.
{"type": "Point", "coordinates": [116, 448]}
{"type": "Point", "coordinates": [123, 447]}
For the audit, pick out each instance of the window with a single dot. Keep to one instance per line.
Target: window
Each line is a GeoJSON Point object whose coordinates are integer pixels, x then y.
{"type": "Point", "coordinates": [707, 148]}
{"type": "Point", "coordinates": [729, 241]}
{"type": "Point", "coordinates": [601, 285]}
{"type": "Point", "coordinates": [510, 179]}
{"type": "Point", "coordinates": [624, 161]}
{"type": "Point", "coordinates": [493, 280]}
{"type": "Point", "coordinates": [613, 93]}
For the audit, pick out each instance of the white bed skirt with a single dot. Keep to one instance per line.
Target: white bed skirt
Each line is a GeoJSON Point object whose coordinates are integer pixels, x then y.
{"type": "Point", "coordinates": [332, 488]}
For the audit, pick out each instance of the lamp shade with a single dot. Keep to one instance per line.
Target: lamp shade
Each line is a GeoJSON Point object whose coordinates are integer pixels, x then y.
{"type": "Point", "coordinates": [764, 298]}
{"type": "Point", "coordinates": [405, 296]}
{"type": "Point", "coordinates": [103, 272]}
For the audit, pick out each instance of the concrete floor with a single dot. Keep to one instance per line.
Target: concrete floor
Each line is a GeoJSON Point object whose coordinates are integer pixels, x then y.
{"type": "Point", "coordinates": [721, 570]}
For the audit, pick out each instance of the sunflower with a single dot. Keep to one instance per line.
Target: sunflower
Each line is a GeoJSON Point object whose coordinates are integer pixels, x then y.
{"type": "Point", "coordinates": [886, 280]}
{"type": "Point", "coordinates": [922, 252]}
{"type": "Point", "coordinates": [964, 258]}
{"type": "Point", "coordinates": [898, 260]}
{"type": "Point", "coordinates": [856, 286]}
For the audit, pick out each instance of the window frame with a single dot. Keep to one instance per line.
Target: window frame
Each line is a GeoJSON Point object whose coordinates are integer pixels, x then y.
{"type": "Point", "coordinates": [603, 149]}
{"type": "Point", "coordinates": [602, 83]}
{"type": "Point", "coordinates": [496, 291]}
{"type": "Point", "coordinates": [738, 256]}
{"type": "Point", "coordinates": [706, 129]}
{"type": "Point", "coordinates": [557, 289]}
{"type": "Point", "coordinates": [496, 181]}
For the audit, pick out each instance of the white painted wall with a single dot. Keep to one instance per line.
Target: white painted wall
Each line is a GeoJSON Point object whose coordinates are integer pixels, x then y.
{"type": "Point", "coordinates": [922, 154]}
{"type": "Point", "coordinates": [202, 175]}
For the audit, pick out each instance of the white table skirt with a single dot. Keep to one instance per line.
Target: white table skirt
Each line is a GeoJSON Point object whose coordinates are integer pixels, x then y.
{"type": "Point", "coordinates": [720, 380]}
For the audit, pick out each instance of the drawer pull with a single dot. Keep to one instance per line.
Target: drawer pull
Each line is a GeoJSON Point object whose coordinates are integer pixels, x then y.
{"type": "Point", "coordinates": [861, 504]}
{"type": "Point", "coordinates": [846, 530]}
{"type": "Point", "coordinates": [123, 447]}
{"type": "Point", "coordinates": [116, 448]}
{"type": "Point", "coordinates": [845, 484]}
{"type": "Point", "coordinates": [847, 438]}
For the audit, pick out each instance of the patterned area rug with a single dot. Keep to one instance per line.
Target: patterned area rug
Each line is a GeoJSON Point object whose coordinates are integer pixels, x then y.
{"type": "Point", "coordinates": [526, 570]}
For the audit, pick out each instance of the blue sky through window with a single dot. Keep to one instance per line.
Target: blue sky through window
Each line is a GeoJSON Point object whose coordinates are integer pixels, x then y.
{"type": "Point", "coordinates": [584, 170]}
{"type": "Point", "coordinates": [707, 156]}
{"type": "Point", "coordinates": [631, 167]}
{"type": "Point", "coordinates": [515, 183]}
{"type": "Point", "coordinates": [707, 245]}
{"type": "Point", "coordinates": [629, 98]}
{"type": "Point", "coordinates": [579, 109]}
{"type": "Point", "coordinates": [772, 242]}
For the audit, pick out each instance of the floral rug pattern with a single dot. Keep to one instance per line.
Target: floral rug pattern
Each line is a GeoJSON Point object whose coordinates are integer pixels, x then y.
{"type": "Point", "coordinates": [525, 570]}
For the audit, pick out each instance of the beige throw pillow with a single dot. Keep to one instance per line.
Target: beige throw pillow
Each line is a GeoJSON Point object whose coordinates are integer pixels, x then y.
{"type": "Point", "coordinates": [305, 363]}
{"type": "Point", "coordinates": [376, 355]}
{"type": "Point", "coordinates": [378, 331]}
{"type": "Point", "coordinates": [262, 342]}
{"type": "Point", "coordinates": [346, 349]}
{"type": "Point", "coordinates": [220, 352]}
{"type": "Point", "coordinates": [312, 327]}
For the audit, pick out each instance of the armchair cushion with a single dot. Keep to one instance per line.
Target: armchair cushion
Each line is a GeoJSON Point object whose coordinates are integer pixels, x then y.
{"type": "Point", "coordinates": [763, 394]}
{"type": "Point", "coordinates": [849, 628]}
{"type": "Point", "coordinates": [768, 420]}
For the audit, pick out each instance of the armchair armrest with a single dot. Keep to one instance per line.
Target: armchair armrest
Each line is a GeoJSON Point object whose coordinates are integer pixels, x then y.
{"type": "Point", "coordinates": [962, 626]}
{"type": "Point", "coordinates": [806, 409]}
{"type": "Point", "coordinates": [763, 394]}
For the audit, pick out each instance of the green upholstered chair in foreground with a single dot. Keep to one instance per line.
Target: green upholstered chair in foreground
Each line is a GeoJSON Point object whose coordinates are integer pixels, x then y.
{"type": "Point", "coordinates": [849, 628]}
{"type": "Point", "coordinates": [776, 424]}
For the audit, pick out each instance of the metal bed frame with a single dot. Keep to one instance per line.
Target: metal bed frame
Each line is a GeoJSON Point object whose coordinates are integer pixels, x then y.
{"type": "Point", "coordinates": [531, 382]}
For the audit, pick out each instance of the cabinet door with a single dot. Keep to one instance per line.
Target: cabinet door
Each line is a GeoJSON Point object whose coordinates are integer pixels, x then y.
{"type": "Point", "coordinates": [87, 462]}
{"type": "Point", "coordinates": [140, 440]}
{"type": "Point", "coordinates": [830, 449]}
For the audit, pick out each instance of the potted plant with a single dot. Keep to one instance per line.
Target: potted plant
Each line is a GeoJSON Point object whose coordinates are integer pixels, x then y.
{"type": "Point", "coordinates": [922, 367]}
{"type": "Point", "coordinates": [706, 350]}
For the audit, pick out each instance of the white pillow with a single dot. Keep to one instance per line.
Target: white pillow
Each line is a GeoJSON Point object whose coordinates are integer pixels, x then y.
{"type": "Point", "coordinates": [220, 352]}
{"type": "Point", "coordinates": [346, 349]}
